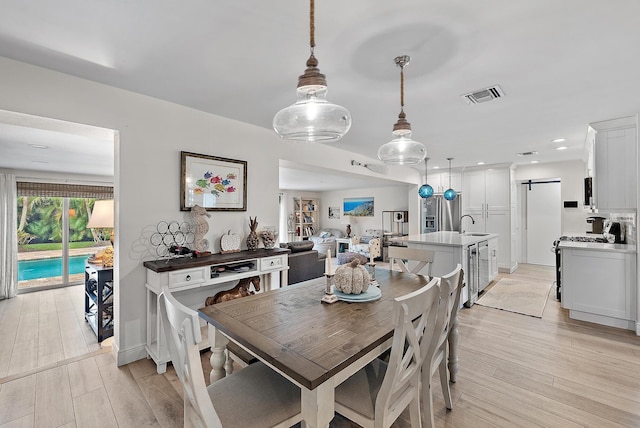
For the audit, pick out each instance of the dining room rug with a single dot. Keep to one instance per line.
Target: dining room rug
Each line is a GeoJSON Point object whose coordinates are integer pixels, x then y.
{"type": "Point", "coordinates": [521, 297]}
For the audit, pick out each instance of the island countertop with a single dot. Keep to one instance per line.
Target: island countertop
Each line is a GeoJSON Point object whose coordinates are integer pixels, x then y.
{"type": "Point", "coordinates": [451, 239]}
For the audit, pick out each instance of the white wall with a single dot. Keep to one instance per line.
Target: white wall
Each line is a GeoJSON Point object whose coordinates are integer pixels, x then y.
{"type": "Point", "coordinates": [151, 134]}
{"type": "Point", "coordinates": [571, 175]}
{"type": "Point", "coordinates": [392, 198]}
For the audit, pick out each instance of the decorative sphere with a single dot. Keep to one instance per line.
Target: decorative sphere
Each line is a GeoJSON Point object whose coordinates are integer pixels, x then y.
{"type": "Point", "coordinates": [450, 194]}
{"type": "Point", "coordinates": [425, 191]}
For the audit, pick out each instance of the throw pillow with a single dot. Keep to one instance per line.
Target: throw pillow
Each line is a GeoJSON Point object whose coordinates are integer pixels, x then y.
{"type": "Point", "coordinates": [324, 235]}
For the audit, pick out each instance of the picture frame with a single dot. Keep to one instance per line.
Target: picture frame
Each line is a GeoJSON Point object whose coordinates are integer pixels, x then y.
{"type": "Point", "coordinates": [212, 182]}
{"type": "Point", "coordinates": [334, 212]}
{"type": "Point", "coordinates": [358, 207]}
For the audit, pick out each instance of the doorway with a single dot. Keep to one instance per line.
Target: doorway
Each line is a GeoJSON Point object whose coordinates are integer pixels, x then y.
{"type": "Point", "coordinates": [541, 220]}
{"type": "Point", "coordinates": [48, 326]}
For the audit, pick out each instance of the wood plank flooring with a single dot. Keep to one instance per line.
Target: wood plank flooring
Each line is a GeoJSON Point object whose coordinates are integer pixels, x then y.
{"type": "Point", "coordinates": [515, 371]}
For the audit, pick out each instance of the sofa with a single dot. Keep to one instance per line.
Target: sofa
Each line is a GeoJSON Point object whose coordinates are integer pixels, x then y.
{"type": "Point", "coordinates": [368, 244]}
{"type": "Point", "coordinates": [325, 240]}
{"type": "Point", "coordinates": [305, 263]}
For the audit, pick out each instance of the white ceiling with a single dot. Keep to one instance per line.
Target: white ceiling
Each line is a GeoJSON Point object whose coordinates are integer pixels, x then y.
{"type": "Point", "coordinates": [562, 64]}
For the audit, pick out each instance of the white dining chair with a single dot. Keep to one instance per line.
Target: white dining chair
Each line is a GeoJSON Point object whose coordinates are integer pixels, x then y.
{"type": "Point", "coordinates": [448, 311]}
{"type": "Point", "coordinates": [377, 394]}
{"type": "Point", "coordinates": [402, 255]}
{"type": "Point", "coordinates": [254, 396]}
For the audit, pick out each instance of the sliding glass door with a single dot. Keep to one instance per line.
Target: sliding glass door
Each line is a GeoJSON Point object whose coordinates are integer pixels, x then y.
{"type": "Point", "coordinates": [53, 240]}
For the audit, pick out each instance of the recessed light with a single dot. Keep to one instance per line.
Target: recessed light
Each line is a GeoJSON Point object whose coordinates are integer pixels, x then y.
{"type": "Point", "coordinates": [480, 163]}
{"type": "Point", "coordinates": [535, 161]}
{"type": "Point", "coordinates": [436, 167]}
{"type": "Point", "coordinates": [38, 146]}
{"type": "Point", "coordinates": [561, 148]}
{"type": "Point", "coordinates": [39, 161]}
{"type": "Point", "coordinates": [559, 140]}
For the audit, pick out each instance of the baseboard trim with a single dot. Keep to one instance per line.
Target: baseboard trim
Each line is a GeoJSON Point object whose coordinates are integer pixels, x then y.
{"type": "Point", "coordinates": [128, 355]}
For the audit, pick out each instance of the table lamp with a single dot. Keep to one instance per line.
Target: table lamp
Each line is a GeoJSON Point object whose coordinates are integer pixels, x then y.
{"type": "Point", "coordinates": [102, 216]}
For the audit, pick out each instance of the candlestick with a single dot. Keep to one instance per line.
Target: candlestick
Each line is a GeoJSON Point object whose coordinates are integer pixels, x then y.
{"type": "Point", "coordinates": [328, 264]}
{"type": "Point", "coordinates": [329, 297]}
{"type": "Point", "coordinates": [371, 268]}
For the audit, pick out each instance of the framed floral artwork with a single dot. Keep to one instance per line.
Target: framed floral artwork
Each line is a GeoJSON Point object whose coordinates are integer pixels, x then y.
{"type": "Point", "coordinates": [214, 183]}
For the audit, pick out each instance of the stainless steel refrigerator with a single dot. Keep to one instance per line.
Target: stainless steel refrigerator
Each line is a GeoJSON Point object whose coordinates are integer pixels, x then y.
{"type": "Point", "coordinates": [439, 214]}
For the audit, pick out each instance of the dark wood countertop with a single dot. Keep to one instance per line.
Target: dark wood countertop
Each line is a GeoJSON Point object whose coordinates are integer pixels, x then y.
{"type": "Point", "coordinates": [214, 259]}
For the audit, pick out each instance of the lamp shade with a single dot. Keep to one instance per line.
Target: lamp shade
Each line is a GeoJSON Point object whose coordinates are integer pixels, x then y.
{"type": "Point", "coordinates": [450, 194]}
{"type": "Point", "coordinates": [102, 215]}
{"type": "Point", "coordinates": [425, 191]}
{"type": "Point", "coordinates": [402, 151]}
{"type": "Point", "coordinates": [345, 219]}
{"type": "Point", "coordinates": [312, 119]}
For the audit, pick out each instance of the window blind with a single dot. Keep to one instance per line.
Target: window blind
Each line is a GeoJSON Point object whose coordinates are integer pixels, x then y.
{"type": "Point", "coordinates": [61, 190]}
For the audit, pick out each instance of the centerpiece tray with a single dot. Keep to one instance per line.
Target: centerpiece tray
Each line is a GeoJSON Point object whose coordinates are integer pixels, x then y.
{"type": "Point", "coordinates": [372, 293]}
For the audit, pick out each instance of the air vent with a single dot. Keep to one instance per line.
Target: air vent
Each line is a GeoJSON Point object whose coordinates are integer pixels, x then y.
{"type": "Point", "coordinates": [531, 153]}
{"type": "Point", "coordinates": [483, 95]}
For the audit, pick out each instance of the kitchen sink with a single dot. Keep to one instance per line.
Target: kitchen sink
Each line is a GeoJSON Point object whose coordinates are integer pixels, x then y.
{"type": "Point", "coordinates": [475, 234]}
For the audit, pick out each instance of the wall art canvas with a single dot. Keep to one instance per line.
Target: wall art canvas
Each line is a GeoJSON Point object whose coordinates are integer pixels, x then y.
{"type": "Point", "coordinates": [214, 183]}
{"type": "Point", "coordinates": [334, 212]}
{"type": "Point", "coordinates": [358, 207]}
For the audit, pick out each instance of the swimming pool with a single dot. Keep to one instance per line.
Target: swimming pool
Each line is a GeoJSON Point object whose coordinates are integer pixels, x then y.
{"type": "Point", "coordinates": [46, 268]}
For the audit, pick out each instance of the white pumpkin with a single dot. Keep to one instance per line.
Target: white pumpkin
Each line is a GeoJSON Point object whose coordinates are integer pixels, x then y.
{"type": "Point", "coordinates": [352, 278]}
{"type": "Point", "coordinates": [229, 243]}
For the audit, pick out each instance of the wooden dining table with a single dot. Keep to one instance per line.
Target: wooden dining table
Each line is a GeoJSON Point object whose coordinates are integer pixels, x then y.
{"type": "Point", "coordinates": [313, 344]}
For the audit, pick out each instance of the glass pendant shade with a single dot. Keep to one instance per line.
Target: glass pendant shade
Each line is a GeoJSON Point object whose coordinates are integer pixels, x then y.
{"type": "Point", "coordinates": [425, 191]}
{"type": "Point", "coordinates": [312, 118]}
{"type": "Point", "coordinates": [402, 151]}
{"type": "Point", "coordinates": [450, 194]}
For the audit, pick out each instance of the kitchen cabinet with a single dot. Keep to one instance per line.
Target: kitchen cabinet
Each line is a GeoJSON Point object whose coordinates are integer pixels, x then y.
{"type": "Point", "coordinates": [488, 197]}
{"type": "Point", "coordinates": [599, 285]}
{"type": "Point", "coordinates": [451, 248]}
{"type": "Point", "coordinates": [486, 189]}
{"type": "Point", "coordinates": [440, 181]}
{"type": "Point", "coordinates": [493, 258]}
{"type": "Point", "coordinates": [615, 175]}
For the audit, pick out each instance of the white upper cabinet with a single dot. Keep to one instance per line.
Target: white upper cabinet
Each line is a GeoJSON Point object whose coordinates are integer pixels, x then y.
{"type": "Point", "coordinates": [615, 175]}
{"type": "Point", "coordinates": [486, 189]}
{"type": "Point", "coordinates": [440, 181]}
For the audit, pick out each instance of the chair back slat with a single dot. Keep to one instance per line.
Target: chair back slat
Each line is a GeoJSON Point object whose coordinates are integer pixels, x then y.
{"type": "Point", "coordinates": [402, 255]}
{"type": "Point", "coordinates": [414, 316]}
{"type": "Point", "coordinates": [452, 283]}
{"type": "Point", "coordinates": [182, 329]}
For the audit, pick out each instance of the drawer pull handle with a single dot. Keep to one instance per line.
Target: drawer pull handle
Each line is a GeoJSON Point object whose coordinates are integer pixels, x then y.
{"type": "Point", "coordinates": [188, 277]}
{"type": "Point", "coordinates": [272, 263]}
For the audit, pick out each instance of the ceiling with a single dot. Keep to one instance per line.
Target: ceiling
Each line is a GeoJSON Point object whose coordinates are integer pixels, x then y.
{"type": "Point", "coordinates": [561, 65]}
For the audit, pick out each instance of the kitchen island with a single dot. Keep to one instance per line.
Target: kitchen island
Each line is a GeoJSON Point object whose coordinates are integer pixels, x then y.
{"type": "Point", "coordinates": [476, 252]}
{"type": "Point", "coordinates": [599, 283]}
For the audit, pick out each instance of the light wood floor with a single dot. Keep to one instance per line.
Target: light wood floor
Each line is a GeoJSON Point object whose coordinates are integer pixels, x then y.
{"type": "Point", "coordinates": [515, 371]}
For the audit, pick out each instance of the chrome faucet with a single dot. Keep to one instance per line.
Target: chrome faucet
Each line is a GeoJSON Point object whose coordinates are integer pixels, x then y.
{"type": "Point", "coordinates": [472, 222]}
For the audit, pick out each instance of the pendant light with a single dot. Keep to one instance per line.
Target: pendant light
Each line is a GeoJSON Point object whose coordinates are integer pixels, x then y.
{"type": "Point", "coordinates": [402, 150]}
{"type": "Point", "coordinates": [312, 118]}
{"type": "Point", "coordinates": [450, 194]}
{"type": "Point", "coordinates": [425, 191]}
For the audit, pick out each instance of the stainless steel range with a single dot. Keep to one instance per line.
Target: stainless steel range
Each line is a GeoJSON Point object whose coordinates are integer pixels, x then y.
{"type": "Point", "coordinates": [556, 249]}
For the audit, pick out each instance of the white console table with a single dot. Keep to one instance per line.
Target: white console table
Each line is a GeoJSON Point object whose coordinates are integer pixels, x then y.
{"type": "Point", "coordinates": [191, 281]}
